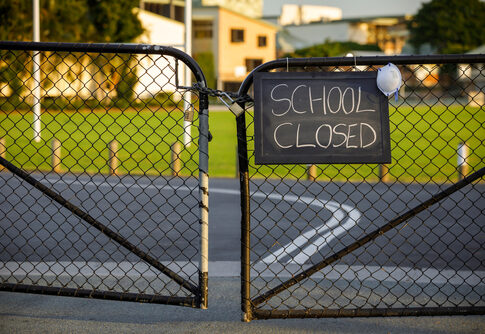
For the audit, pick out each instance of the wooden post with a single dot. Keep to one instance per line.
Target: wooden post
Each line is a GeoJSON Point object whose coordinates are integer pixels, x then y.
{"type": "Point", "coordinates": [56, 155]}
{"type": "Point", "coordinates": [311, 172]}
{"type": "Point", "coordinates": [3, 151]}
{"type": "Point", "coordinates": [383, 173]}
{"type": "Point", "coordinates": [462, 160]}
{"type": "Point", "coordinates": [113, 157]}
{"type": "Point", "coordinates": [176, 163]}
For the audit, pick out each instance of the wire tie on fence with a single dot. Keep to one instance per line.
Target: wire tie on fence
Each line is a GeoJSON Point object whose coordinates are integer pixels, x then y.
{"type": "Point", "coordinates": [205, 207]}
{"type": "Point", "coordinates": [275, 243]}
{"type": "Point", "coordinates": [204, 190]}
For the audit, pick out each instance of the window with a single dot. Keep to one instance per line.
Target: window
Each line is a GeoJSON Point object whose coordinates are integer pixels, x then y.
{"type": "Point", "coordinates": [237, 35]}
{"type": "Point", "coordinates": [262, 41]}
{"type": "Point", "coordinates": [171, 11]}
{"type": "Point", "coordinates": [202, 29]}
{"type": "Point", "coordinates": [251, 64]}
{"type": "Point", "coordinates": [231, 86]}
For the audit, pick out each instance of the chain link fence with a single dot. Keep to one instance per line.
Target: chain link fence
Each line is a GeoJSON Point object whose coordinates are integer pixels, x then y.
{"type": "Point", "coordinates": [405, 238]}
{"type": "Point", "coordinates": [99, 197]}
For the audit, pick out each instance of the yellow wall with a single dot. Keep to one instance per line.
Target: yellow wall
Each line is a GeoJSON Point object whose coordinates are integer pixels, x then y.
{"type": "Point", "coordinates": [231, 55]}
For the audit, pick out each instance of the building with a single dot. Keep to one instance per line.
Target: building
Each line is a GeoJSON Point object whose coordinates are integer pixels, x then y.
{"type": "Point", "coordinates": [473, 77]}
{"type": "Point", "coordinates": [249, 8]}
{"type": "Point", "coordinates": [172, 9]}
{"type": "Point", "coordinates": [389, 33]}
{"type": "Point", "coordinates": [237, 44]}
{"type": "Point", "coordinates": [351, 9]}
{"type": "Point", "coordinates": [155, 72]}
{"type": "Point", "coordinates": [309, 22]}
{"type": "Point", "coordinates": [303, 14]}
{"type": "Point", "coordinates": [87, 79]}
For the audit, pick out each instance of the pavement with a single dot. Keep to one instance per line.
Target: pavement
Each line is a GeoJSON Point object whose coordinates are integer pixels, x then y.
{"type": "Point", "coordinates": [26, 313]}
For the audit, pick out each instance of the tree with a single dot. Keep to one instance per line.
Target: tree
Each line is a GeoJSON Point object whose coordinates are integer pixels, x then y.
{"type": "Point", "coordinates": [15, 19]}
{"type": "Point", "coordinates": [206, 63]}
{"type": "Point", "coordinates": [449, 26]}
{"type": "Point", "coordinates": [71, 20]}
{"type": "Point", "coordinates": [113, 21]}
{"type": "Point", "coordinates": [106, 21]}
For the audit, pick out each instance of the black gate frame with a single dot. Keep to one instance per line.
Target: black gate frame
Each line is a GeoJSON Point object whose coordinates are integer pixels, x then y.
{"type": "Point", "coordinates": [200, 292]}
{"type": "Point", "coordinates": [248, 305]}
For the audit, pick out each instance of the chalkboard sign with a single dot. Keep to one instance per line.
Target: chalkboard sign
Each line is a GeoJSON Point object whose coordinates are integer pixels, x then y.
{"type": "Point", "coordinates": [320, 117]}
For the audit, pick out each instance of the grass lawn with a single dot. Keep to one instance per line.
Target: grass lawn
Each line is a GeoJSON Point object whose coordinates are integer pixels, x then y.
{"type": "Point", "coordinates": [423, 140]}
{"type": "Point", "coordinates": [144, 140]}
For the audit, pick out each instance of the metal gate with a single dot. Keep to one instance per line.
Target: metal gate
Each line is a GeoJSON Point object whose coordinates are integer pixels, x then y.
{"type": "Point", "coordinates": [374, 240]}
{"type": "Point", "coordinates": [98, 196]}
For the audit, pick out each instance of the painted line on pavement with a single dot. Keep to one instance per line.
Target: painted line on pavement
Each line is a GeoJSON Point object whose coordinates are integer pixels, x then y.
{"type": "Point", "coordinates": [140, 270]}
{"type": "Point", "coordinates": [326, 232]}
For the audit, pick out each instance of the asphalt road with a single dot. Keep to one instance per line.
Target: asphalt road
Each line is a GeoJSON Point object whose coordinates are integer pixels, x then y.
{"type": "Point", "coordinates": [160, 216]}
{"type": "Point", "coordinates": [26, 313]}
{"type": "Point", "coordinates": [292, 223]}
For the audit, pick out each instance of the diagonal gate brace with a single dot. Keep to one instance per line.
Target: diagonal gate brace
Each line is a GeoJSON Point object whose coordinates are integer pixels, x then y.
{"type": "Point", "coordinates": [99, 226]}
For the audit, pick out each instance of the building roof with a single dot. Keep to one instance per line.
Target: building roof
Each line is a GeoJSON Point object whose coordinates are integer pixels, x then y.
{"type": "Point", "coordinates": [376, 19]}
{"type": "Point", "coordinates": [479, 50]}
{"type": "Point", "coordinates": [352, 8]}
{"type": "Point", "coordinates": [158, 17]}
{"type": "Point", "coordinates": [258, 21]}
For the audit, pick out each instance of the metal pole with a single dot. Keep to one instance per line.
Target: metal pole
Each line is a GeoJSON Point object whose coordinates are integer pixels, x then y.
{"type": "Point", "coordinates": [462, 160]}
{"type": "Point", "coordinates": [36, 71]}
{"type": "Point", "coordinates": [383, 173]}
{"type": "Point", "coordinates": [56, 155]}
{"type": "Point", "coordinates": [113, 157]}
{"type": "Point", "coordinates": [311, 172]}
{"type": "Point", "coordinates": [242, 149]}
{"type": "Point", "coordinates": [188, 50]}
{"type": "Point", "coordinates": [204, 198]}
{"type": "Point", "coordinates": [175, 163]}
{"type": "Point", "coordinates": [3, 151]}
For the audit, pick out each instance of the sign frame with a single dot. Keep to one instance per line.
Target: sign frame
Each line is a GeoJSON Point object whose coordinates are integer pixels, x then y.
{"type": "Point", "coordinates": [265, 154]}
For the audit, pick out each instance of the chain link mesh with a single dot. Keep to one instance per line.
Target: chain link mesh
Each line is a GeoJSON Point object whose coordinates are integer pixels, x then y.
{"type": "Point", "coordinates": [302, 214]}
{"type": "Point", "coordinates": [110, 144]}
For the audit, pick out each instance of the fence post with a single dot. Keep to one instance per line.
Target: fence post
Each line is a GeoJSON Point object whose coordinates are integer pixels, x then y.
{"type": "Point", "coordinates": [311, 172]}
{"type": "Point", "coordinates": [237, 163]}
{"type": "Point", "coordinates": [3, 151]}
{"type": "Point", "coordinates": [113, 158]}
{"type": "Point", "coordinates": [462, 160]}
{"type": "Point", "coordinates": [56, 155]}
{"type": "Point", "coordinates": [383, 173]}
{"type": "Point", "coordinates": [176, 163]}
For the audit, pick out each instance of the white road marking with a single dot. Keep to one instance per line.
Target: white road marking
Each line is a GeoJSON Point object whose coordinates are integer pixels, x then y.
{"type": "Point", "coordinates": [326, 232]}
{"type": "Point", "coordinates": [62, 270]}
{"type": "Point", "coordinates": [264, 268]}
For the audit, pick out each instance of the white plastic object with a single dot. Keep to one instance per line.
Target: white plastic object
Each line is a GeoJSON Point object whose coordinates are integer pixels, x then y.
{"type": "Point", "coordinates": [389, 80]}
